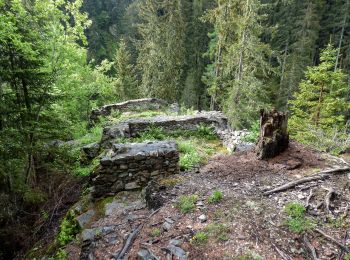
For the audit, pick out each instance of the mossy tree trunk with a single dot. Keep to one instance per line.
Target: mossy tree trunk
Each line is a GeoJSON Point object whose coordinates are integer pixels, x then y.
{"type": "Point", "coordinates": [274, 138]}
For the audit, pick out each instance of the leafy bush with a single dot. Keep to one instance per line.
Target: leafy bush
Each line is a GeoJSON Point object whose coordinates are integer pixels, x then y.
{"type": "Point", "coordinates": [187, 204]}
{"type": "Point", "coordinates": [153, 133]}
{"type": "Point", "coordinates": [297, 222]}
{"type": "Point", "coordinates": [68, 229]}
{"type": "Point", "coordinates": [200, 238]}
{"type": "Point", "coordinates": [254, 133]}
{"type": "Point", "coordinates": [215, 197]}
{"type": "Point", "coordinates": [205, 132]}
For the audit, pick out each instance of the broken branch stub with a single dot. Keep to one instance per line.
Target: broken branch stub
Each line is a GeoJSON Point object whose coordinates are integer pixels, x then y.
{"type": "Point", "coordinates": [274, 137]}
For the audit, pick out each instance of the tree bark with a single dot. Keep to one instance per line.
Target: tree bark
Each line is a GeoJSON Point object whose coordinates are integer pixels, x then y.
{"type": "Point", "coordinates": [274, 138]}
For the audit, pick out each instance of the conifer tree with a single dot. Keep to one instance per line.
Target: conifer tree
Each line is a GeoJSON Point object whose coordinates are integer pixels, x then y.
{"type": "Point", "coordinates": [240, 60]}
{"type": "Point", "coordinates": [320, 101]}
{"type": "Point", "coordinates": [161, 48]}
{"type": "Point", "coordinates": [126, 85]}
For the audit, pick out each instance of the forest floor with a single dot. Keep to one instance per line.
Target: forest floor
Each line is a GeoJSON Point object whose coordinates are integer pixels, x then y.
{"type": "Point", "coordinates": [243, 224]}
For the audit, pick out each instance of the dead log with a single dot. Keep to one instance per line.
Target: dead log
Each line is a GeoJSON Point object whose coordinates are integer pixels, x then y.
{"type": "Point", "coordinates": [274, 138]}
{"type": "Point", "coordinates": [319, 176]}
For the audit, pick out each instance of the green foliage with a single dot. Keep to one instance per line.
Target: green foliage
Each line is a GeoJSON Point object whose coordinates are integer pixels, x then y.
{"type": "Point", "coordinates": [347, 256]}
{"type": "Point", "coordinates": [254, 133]}
{"type": "Point", "coordinates": [201, 238]}
{"type": "Point", "coordinates": [161, 48]}
{"type": "Point", "coordinates": [34, 196]}
{"type": "Point", "coordinates": [68, 229]}
{"type": "Point", "coordinates": [125, 82]}
{"type": "Point", "coordinates": [187, 204]}
{"type": "Point", "coordinates": [297, 222]}
{"type": "Point", "coordinates": [320, 105]}
{"type": "Point", "coordinates": [189, 155]}
{"type": "Point", "coordinates": [215, 197]}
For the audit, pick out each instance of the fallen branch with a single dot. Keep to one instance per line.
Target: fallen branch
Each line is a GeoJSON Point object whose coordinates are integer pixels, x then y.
{"type": "Point", "coordinates": [310, 247]}
{"type": "Point", "coordinates": [129, 242]}
{"type": "Point", "coordinates": [319, 176]}
{"type": "Point", "coordinates": [333, 240]}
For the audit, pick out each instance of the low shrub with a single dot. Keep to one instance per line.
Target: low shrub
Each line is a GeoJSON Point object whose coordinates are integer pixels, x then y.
{"type": "Point", "coordinates": [297, 221]}
{"type": "Point", "coordinates": [187, 204]}
{"type": "Point", "coordinates": [68, 229]}
{"type": "Point", "coordinates": [215, 197]}
{"type": "Point", "coordinates": [200, 238]}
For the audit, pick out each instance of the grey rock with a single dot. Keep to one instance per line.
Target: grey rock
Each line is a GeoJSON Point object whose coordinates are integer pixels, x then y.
{"type": "Point", "coordinates": [202, 218]}
{"type": "Point", "coordinates": [144, 255]}
{"type": "Point", "coordinates": [85, 218]}
{"type": "Point", "coordinates": [175, 242]}
{"type": "Point", "coordinates": [132, 186]}
{"type": "Point", "coordinates": [110, 208]}
{"type": "Point", "coordinates": [178, 251]}
{"type": "Point", "coordinates": [89, 234]}
{"type": "Point", "coordinates": [91, 151]}
{"type": "Point", "coordinates": [166, 226]}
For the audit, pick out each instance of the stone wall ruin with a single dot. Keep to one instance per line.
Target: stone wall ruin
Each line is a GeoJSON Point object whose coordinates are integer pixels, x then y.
{"type": "Point", "coordinates": [130, 105]}
{"type": "Point", "coordinates": [132, 166]}
{"type": "Point", "coordinates": [134, 127]}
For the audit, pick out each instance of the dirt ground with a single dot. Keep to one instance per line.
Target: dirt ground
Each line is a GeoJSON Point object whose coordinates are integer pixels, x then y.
{"type": "Point", "coordinates": [245, 224]}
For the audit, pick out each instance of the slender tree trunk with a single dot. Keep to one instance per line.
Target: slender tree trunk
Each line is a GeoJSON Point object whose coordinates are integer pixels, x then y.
{"type": "Point", "coordinates": [340, 41]}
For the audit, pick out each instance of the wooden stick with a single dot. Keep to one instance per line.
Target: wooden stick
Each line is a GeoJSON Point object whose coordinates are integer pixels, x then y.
{"type": "Point", "coordinates": [310, 247]}
{"type": "Point", "coordinates": [333, 240]}
{"type": "Point", "coordinates": [316, 177]}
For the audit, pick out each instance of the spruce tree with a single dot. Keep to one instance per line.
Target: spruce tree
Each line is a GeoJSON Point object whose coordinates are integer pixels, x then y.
{"type": "Point", "coordinates": [161, 48]}
{"type": "Point", "coordinates": [240, 67]}
{"type": "Point", "coordinates": [320, 102]}
{"type": "Point", "coordinates": [126, 85]}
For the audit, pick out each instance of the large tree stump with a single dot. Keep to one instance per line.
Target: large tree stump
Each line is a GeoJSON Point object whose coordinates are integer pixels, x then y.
{"type": "Point", "coordinates": [274, 138]}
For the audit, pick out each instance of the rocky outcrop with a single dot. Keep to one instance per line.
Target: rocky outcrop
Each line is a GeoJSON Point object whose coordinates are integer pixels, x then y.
{"type": "Point", "coordinates": [130, 105]}
{"type": "Point", "coordinates": [132, 166]}
{"type": "Point", "coordinates": [134, 127]}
